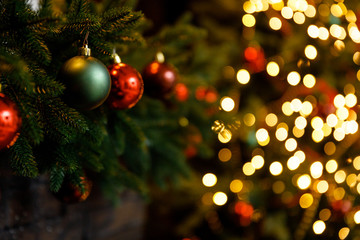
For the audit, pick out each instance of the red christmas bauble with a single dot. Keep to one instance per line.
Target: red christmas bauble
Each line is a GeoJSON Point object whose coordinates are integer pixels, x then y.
{"type": "Point", "coordinates": [70, 193]}
{"type": "Point", "coordinates": [127, 86]}
{"type": "Point", "coordinates": [159, 79]}
{"type": "Point", "coordinates": [10, 122]}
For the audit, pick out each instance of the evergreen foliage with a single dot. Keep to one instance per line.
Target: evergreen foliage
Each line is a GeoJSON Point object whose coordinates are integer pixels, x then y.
{"type": "Point", "coordinates": [117, 149]}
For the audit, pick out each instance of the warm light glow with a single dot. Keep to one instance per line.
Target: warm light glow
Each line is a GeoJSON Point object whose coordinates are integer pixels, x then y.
{"type": "Point", "coordinates": [227, 104]}
{"type": "Point", "coordinates": [339, 193]}
{"type": "Point", "coordinates": [248, 169]}
{"type": "Point", "coordinates": [249, 119]}
{"type": "Point", "coordinates": [306, 109]}
{"type": "Point", "coordinates": [281, 134]}
{"type": "Point", "coordinates": [273, 69]}
{"type": "Point", "coordinates": [317, 135]}
{"type": "Point", "coordinates": [287, 12]}
{"type": "Point", "coordinates": [291, 144]}
{"type": "Point", "coordinates": [209, 180]}
{"type": "Point", "coordinates": [299, 18]}
{"type": "Point", "coordinates": [271, 119]}
{"type": "Point", "coordinates": [243, 76]}
{"type": "Point", "coordinates": [336, 10]}
{"type": "Point", "coordinates": [276, 168]}
{"type": "Point", "coordinates": [224, 136]}
{"type": "Point", "coordinates": [300, 122]}
{"type": "Point", "coordinates": [310, 11]}
{"type": "Point", "coordinates": [275, 23]}
{"type": "Point", "coordinates": [340, 176]}
{"type": "Point", "coordinates": [339, 101]}
{"type": "Point", "coordinates": [309, 80]}
{"type": "Point", "coordinates": [317, 123]}
{"type": "Point", "coordinates": [322, 186]}
{"type": "Point", "coordinates": [323, 33]}
{"type": "Point", "coordinates": [257, 161]}
{"type": "Point", "coordinates": [310, 52]}
{"type": "Point", "coordinates": [248, 20]}
{"type": "Point", "coordinates": [286, 108]}
{"type": "Point", "coordinates": [319, 227]}
{"type": "Point", "coordinates": [339, 134]}
{"type": "Point", "coordinates": [331, 166]}
{"type": "Point", "coordinates": [316, 170]}
{"type": "Point", "coordinates": [344, 232]}
{"type": "Point", "coordinates": [313, 31]}
{"type": "Point", "coordinates": [296, 105]}
{"type": "Point", "coordinates": [220, 198]}
{"type": "Point", "coordinates": [332, 120]}
{"type": "Point", "coordinates": [356, 163]}
{"type": "Point", "coordinates": [293, 78]}
{"type": "Point", "coordinates": [351, 180]}
{"type": "Point", "coordinates": [236, 186]}
{"type": "Point", "coordinates": [304, 181]}
{"type": "Point", "coordinates": [293, 163]}
{"type": "Point", "coordinates": [301, 155]}
{"type": "Point", "coordinates": [325, 214]}
{"type": "Point", "coordinates": [350, 100]}
{"type": "Point", "coordinates": [357, 217]}
{"type": "Point", "coordinates": [262, 135]}
{"type": "Point", "coordinates": [224, 154]}
{"type": "Point", "coordinates": [306, 200]}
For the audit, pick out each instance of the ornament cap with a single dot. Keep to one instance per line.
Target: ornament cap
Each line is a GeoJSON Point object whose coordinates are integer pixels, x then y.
{"type": "Point", "coordinates": [116, 58]}
{"type": "Point", "coordinates": [85, 51]}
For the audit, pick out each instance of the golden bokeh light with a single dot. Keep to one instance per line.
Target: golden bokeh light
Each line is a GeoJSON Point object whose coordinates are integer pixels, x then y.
{"type": "Point", "coordinates": [310, 52]}
{"type": "Point", "coordinates": [322, 186]}
{"type": "Point", "coordinates": [224, 136]}
{"type": "Point", "coordinates": [313, 31]}
{"type": "Point", "coordinates": [281, 134]}
{"type": "Point", "coordinates": [306, 200]}
{"type": "Point", "coordinates": [287, 12]}
{"type": "Point", "coordinates": [301, 155]}
{"type": "Point", "coordinates": [248, 169]}
{"type": "Point", "coordinates": [209, 180]}
{"type": "Point", "coordinates": [249, 119]}
{"type": "Point", "coordinates": [262, 135]}
{"type": "Point", "coordinates": [300, 122]}
{"type": "Point", "coordinates": [236, 186]}
{"type": "Point", "coordinates": [276, 168]}
{"type": "Point", "coordinates": [339, 193]}
{"type": "Point", "coordinates": [273, 69]}
{"type": "Point", "coordinates": [340, 176]}
{"type": "Point", "coordinates": [248, 20]}
{"type": "Point", "coordinates": [350, 100]}
{"type": "Point", "coordinates": [286, 108]}
{"type": "Point", "coordinates": [296, 105]}
{"type": "Point", "coordinates": [356, 162]}
{"type": "Point", "coordinates": [275, 24]}
{"type": "Point", "coordinates": [325, 214]}
{"type": "Point", "coordinates": [357, 217]}
{"type": "Point", "coordinates": [332, 120]}
{"type": "Point", "coordinates": [271, 119]}
{"type": "Point", "coordinates": [293, 78]}
{"type": "Point", "coordinates": [343, 233]}
{"type": "Point", "coordinates": [291, 144]}
{"type": "Point", "coordinates": [304, 181]}
{"type": "Point", "coordinates": [257, 161]}
{"type": "Point", "coordinates": [310, 11]}
{"type": "Point", "coordinates": [299, 18]}
{"type": "Point", "coordinates": [323, 33]}
{"type": "Point", "coordinates": [319, 227]}
{"type": "Point", "coordinates": [331, 166]}
{"type": "Point", "coordinates": [227, 104]}
{"type": "Point", "coordinates": [224, 154]}
{"type": "Point", "coordinates": [243, 76]}
{"type": "Point", "coordinates": [306, 109]}
{"type": "Point", "coordinates": [309, 81]}
{"type": "Point", "coordinates": [316, 170]}
{"type": "Point", "coordinates": [293, 163]}
{"type": "Point", "coordinates": [329, 148]}
{"type": "Point", "coordinates": [220, 198]}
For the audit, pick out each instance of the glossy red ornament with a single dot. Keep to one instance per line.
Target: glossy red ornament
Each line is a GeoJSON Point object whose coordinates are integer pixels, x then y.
{"type": "Point", "coordinates": [10, 122]}
{"type": "Point", "coordinates": [70, 193]}
{"type": "Point", "coordinates": [127, 86]}
{"type": "Point", "coordinates": [159, 79]}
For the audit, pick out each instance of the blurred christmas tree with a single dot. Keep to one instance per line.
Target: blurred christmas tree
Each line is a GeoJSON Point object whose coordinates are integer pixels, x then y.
{"type": "Point", "coordinates": [288, 157]}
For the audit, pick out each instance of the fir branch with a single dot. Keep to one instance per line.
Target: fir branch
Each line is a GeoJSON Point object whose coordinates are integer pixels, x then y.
{"type": "Point", "coordinates": [22, 158]}
{"type": "Point", "coordinates": [57, 175]}
{"type": "Point", "coordinates": [119, 20]}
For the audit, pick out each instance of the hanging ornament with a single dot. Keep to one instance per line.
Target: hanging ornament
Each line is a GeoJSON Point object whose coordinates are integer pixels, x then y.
{"type": "Point", "coordinates": [127, 86]}
{"type": "Point", "coordinates": [86, 79]}
{"type": "Point", "coordinates": [159, 78]}
{"type": "Point", "coordinates": [70, 193]}
{"type": "Point", "coordinates": [10, 122]}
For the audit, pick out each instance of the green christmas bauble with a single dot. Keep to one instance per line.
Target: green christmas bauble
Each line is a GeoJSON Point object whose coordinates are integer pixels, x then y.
{"type": "Point", "coordinates": [87, 82]}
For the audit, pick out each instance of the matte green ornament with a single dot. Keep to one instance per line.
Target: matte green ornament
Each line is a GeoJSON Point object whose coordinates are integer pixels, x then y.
{"type": "Point", "coordinates": [87, 81]}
